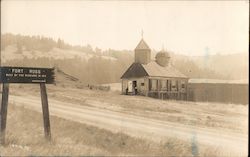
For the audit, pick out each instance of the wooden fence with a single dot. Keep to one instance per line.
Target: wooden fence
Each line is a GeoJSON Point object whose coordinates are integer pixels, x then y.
{"type": "Point", "coordinates": [218, 92]}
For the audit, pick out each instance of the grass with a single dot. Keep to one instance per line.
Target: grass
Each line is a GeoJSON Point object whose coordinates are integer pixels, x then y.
{"type": "Point", "coordinates": [24, 137]}
{"type": "Point", "coordinates": [24, 134]}
{"type": "Point", "coordinates": [210, 115]}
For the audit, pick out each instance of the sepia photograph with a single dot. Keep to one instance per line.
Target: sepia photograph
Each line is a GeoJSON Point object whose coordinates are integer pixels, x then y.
{"type": "Point", "coordinates": [124, 78]}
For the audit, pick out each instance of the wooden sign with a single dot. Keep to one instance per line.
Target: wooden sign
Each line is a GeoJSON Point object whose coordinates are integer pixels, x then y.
{"type": "Point", "coordinates": [26, 75]}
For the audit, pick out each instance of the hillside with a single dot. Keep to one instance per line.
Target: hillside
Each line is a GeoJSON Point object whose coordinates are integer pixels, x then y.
{"type": "Point", "coordinates": [233, 66]}
{"type": "Point", "coordinates": [11, 53]}
{"type": "Point", "coordinates": [96, 66]}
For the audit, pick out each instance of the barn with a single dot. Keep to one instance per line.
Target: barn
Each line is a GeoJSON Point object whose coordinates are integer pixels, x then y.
{"type": "Point", "coordinates": [154, 78]}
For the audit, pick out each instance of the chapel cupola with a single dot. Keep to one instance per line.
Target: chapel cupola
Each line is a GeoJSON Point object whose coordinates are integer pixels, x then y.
{"type": "Point", "coordinates": [162, 58]}
{"type": "Point", "coordinates": [142, 52]}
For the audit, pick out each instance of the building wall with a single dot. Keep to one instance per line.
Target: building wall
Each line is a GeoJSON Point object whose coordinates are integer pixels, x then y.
{"type": "Point", "coordinates": [225, 93]}
{"type": "Point", "coordinates": [163, 87]}
{"type": "Point", "coordinates": [168, 88]}
{"type": "Point", "coordinates": [142, 85]}
{"type": "Point", "coordinates": [201, 92]}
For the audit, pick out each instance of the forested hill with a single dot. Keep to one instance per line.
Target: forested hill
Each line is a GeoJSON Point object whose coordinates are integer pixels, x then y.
{"type": "Point", "coordinates": [94, 65]}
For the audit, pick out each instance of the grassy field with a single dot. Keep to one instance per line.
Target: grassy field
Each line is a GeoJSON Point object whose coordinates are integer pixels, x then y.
{"type": "Point", "coordinates": [25, 127]}
{"type": "Point", "coordinates": [230, 117]}
{"type": "Point", "coordinates": [24, 137]}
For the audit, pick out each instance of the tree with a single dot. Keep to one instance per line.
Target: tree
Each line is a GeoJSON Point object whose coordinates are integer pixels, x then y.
{"type": "Point", "coordinates": [60, 43]}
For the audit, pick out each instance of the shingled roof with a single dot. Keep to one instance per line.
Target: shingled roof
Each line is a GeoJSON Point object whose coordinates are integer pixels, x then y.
{"type": "Point", "coordinates": [134, 71]}
{"type": "Point", "coordinates": [152, 69]}
{"type": "Point", "coordinates": [155, 70]}
{"type": "Point", "coordinates": [142, 45]}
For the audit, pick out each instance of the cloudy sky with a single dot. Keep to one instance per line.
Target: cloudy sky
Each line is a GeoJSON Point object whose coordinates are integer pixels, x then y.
{"type": "Point", "coordinates": [191, 28]}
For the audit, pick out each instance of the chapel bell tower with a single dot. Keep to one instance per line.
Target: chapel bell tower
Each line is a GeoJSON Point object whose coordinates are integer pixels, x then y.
{"type": "Point", "coordinates": [142, 52]}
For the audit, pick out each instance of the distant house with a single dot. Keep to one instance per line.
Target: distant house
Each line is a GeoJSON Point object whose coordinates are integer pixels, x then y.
{"type": "Point", "coordinates": [154, 78]}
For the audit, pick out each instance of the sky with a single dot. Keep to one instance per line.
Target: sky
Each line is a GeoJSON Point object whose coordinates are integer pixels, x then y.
{"type": "Point", "coordinates": [187, 27]}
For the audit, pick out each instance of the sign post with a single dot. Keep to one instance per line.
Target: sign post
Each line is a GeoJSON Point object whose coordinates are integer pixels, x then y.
{"type": "Point", "coordinates": [32, 75]}
{"type": "Point", "coordinates": [45, 108]}
{"type": "Point", "coordinates": [4, 107]}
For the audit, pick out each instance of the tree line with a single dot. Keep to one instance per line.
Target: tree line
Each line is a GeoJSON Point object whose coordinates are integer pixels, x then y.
{"type": "Point", "coordinates": [95, 70]}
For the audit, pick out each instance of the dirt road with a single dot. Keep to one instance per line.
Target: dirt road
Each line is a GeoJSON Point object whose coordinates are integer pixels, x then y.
{"type": "Point", "coordinates": [151, 129]}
